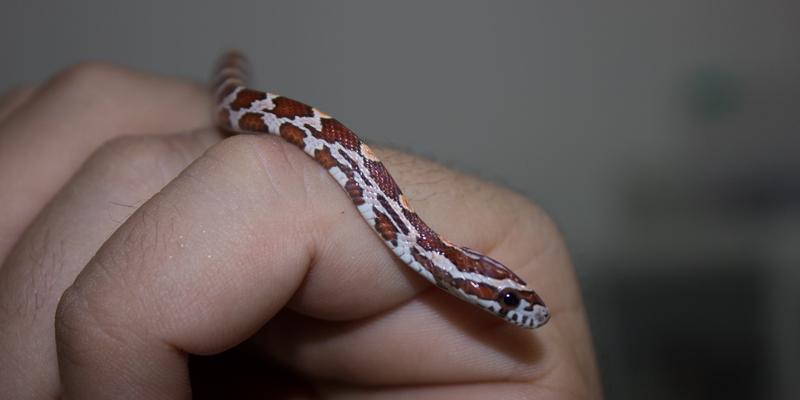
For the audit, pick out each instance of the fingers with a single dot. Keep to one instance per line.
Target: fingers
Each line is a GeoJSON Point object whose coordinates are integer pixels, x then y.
{"type": "Point", "coordinates": [204, 264]}
{"type": "Point", "coordinates": [431, 339]}
{"type": "Point", "coordinates": [46, 138]}
{"type": "Point", "coordinates": [115, 181]}
{"type": "Point", "coordinates": [198, 268]}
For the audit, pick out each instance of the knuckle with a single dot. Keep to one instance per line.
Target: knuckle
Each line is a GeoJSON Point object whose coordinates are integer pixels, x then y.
{"type": "Point", "coordinates": [86, 314]}
{"type": "Point", "coordinates": [135, 157]}
{"type": "Point", "coordinates": [71, 307]}
{"type": "Point", "coordinates": [241, 153]}
{"type": "Point", "coordinates": [280, 170]}
{"type": "Point", "coordinates": [72, 321]}
{"type": "Point", "coordinates": [237, 145]}
{"type": "Point", "coordinates": [274, 159]}
{"type": "Point", "coordinates": [127, 157]}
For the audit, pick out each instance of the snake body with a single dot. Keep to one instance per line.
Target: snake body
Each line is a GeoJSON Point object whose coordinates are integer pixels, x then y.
{"type": "Point", "coordinates": [463, 272]}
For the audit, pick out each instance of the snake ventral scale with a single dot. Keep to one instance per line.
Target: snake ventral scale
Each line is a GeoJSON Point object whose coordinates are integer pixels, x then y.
{"type": "Point", "coordinates": [463, 272]}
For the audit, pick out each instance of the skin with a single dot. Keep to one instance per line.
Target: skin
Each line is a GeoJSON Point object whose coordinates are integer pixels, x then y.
{"type": "Point", "coordinates": [133, 234]}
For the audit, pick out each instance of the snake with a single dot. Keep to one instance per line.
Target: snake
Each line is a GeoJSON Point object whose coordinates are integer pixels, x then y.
{"type": "Point", "coordinates": [463, 272]}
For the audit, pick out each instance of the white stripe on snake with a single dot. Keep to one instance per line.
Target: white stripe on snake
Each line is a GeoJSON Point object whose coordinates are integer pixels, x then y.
{"type": "Point", "coordinates": [465, 273]}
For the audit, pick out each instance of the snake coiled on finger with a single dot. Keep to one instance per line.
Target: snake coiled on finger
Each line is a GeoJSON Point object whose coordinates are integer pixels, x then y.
{"type": "Point", "coordinates": [461, 271]}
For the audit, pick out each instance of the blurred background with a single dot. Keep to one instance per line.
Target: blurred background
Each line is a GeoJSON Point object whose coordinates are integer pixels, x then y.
{"type": "Point", "coordinates": [661, 136]}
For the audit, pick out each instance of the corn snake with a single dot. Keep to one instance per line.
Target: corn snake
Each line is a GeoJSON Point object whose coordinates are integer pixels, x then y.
{"type": "Point", "coordinates": [463, 272]}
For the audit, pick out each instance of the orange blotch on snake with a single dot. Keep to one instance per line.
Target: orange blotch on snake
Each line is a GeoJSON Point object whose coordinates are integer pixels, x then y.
{"type": "Point", "coordinates": [367, 153]}
{"type": "Point", "coordinates": [334, 132]}
{"type": "Point", "coordinates": [324, 157]}
{"type": "Point", "coordinates": [293, 134]}
{"type": "Point", "coordinates": [252, 122]}
{"type": "Point", "coordinates": [288, 108]}
{"type": "Point", "coordinates": [354, 190]}
{"type": "Point", "coordinates": [384, 226]}
{"type": "Point", "coordinates": [245, 98]}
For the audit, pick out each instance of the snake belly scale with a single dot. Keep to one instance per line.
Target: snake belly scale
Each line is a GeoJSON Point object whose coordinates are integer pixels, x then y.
{"type": "Point", "coordinates": [463, 272]}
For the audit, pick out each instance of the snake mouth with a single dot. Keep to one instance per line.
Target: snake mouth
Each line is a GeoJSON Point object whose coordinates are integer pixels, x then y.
{"type": "Point", "coordinates": [530, 316]}
{"type": "Point", "coordinates": [540, 316]}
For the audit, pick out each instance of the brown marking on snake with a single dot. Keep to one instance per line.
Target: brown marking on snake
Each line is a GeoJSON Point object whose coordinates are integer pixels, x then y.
{"type": "Point", "coordinates": [324, 157]}
{"type": "Point", "coordinates": [385, 227]}
{"type": "Point", "coordinates": [482, 265]}
{"type": "Point", "coordinates": [227, 81]}
{"type": "Point", "coordinates": [481, 290]}
{"type": "Point", "coordinates": [292, 134]}
{"type": "Point", "coordinates": [531, 297]}
{"type": "Point", "coordinates": [469, 260]}
{"type": "Point", "coordinates": [354, 190]}
{"type": "Point", "coordinates": [288, 108]}
{"type": "Point", "coordinates": [393, 215]}
{"type": "Point", "coordinates": [428, 239]}
{"type": "Point", "coordinates": [245, 98]}
{"type": "Point", "coordinates": [252, 122]}
{"type": "Point", "coordinates": [354, 166]}
{"type": "Point", "coordinates": [443, 279]}
{"type": "Point", "coordinates": [385, 181]}
{"type": "Point", "coordinates": [334, 132]}
{"type": "Point", "coordinates": [437, 273]}
{"type": "Point", "coordinates": [227, 89]}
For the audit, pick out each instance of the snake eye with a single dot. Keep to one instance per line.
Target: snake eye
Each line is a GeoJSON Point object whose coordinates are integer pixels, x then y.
{"type": "Point", "coordinates": [510, 299]}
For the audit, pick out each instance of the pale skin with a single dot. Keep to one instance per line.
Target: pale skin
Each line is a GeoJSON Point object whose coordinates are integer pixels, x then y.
{"type": "Point", "coordinates": [133, 233]}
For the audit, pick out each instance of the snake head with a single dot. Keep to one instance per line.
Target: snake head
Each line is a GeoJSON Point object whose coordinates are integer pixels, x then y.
{"type": "Point", "coordinates": [509, 297]}
{"type": "Point", "coordinates": [522, 307]}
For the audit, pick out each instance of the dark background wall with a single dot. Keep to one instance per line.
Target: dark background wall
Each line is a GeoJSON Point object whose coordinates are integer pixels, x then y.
{"type": "Point", "coordinates": [662, 137]}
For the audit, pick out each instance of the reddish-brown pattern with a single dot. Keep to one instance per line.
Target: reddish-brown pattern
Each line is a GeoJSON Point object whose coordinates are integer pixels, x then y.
{"type": "Point", "coordinates": [385, 227]}
{"type": "Point", "coordinates": [531, 297]}
{"type": "Point", "coordinates": [393, 215]}
{"type": "Point", "coordinates": [230, 75]}
{"type": "Point", "coordinates": [288, 108]}
{"type": "Point", "coordinates": [483, 265]}
{"type": "Point", "coordinates": [354, 166]}
{"type": "Point", "coordinates": [385, 181]}
{"type": "Point", "coordinates": [480, 290]}
{"type": "Point", "coordinates": [355, 160]}
{"type": "Point", "coordinates": [252, 122]}
{"type": "Point", "coordinates": [334, 132]}
{"type": "Point", "coordinates": [324, 157]}
{"type": "Point", "coordinates": [426, 263]}
{"type": "Point", "coordinates": [224, 91]}
{"type": "Point", "coordinates": [428, 239]}
{"type": "Point", "coordinates": [354, 189]}
{"type": "Point", "coordinates": [245, 98]}
{"type": "Point", "coordinates": [293, 134]}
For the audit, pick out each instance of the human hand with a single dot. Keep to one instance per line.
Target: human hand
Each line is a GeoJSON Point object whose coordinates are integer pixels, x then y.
{"type": "Point", "coordinates": [133, 235]}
